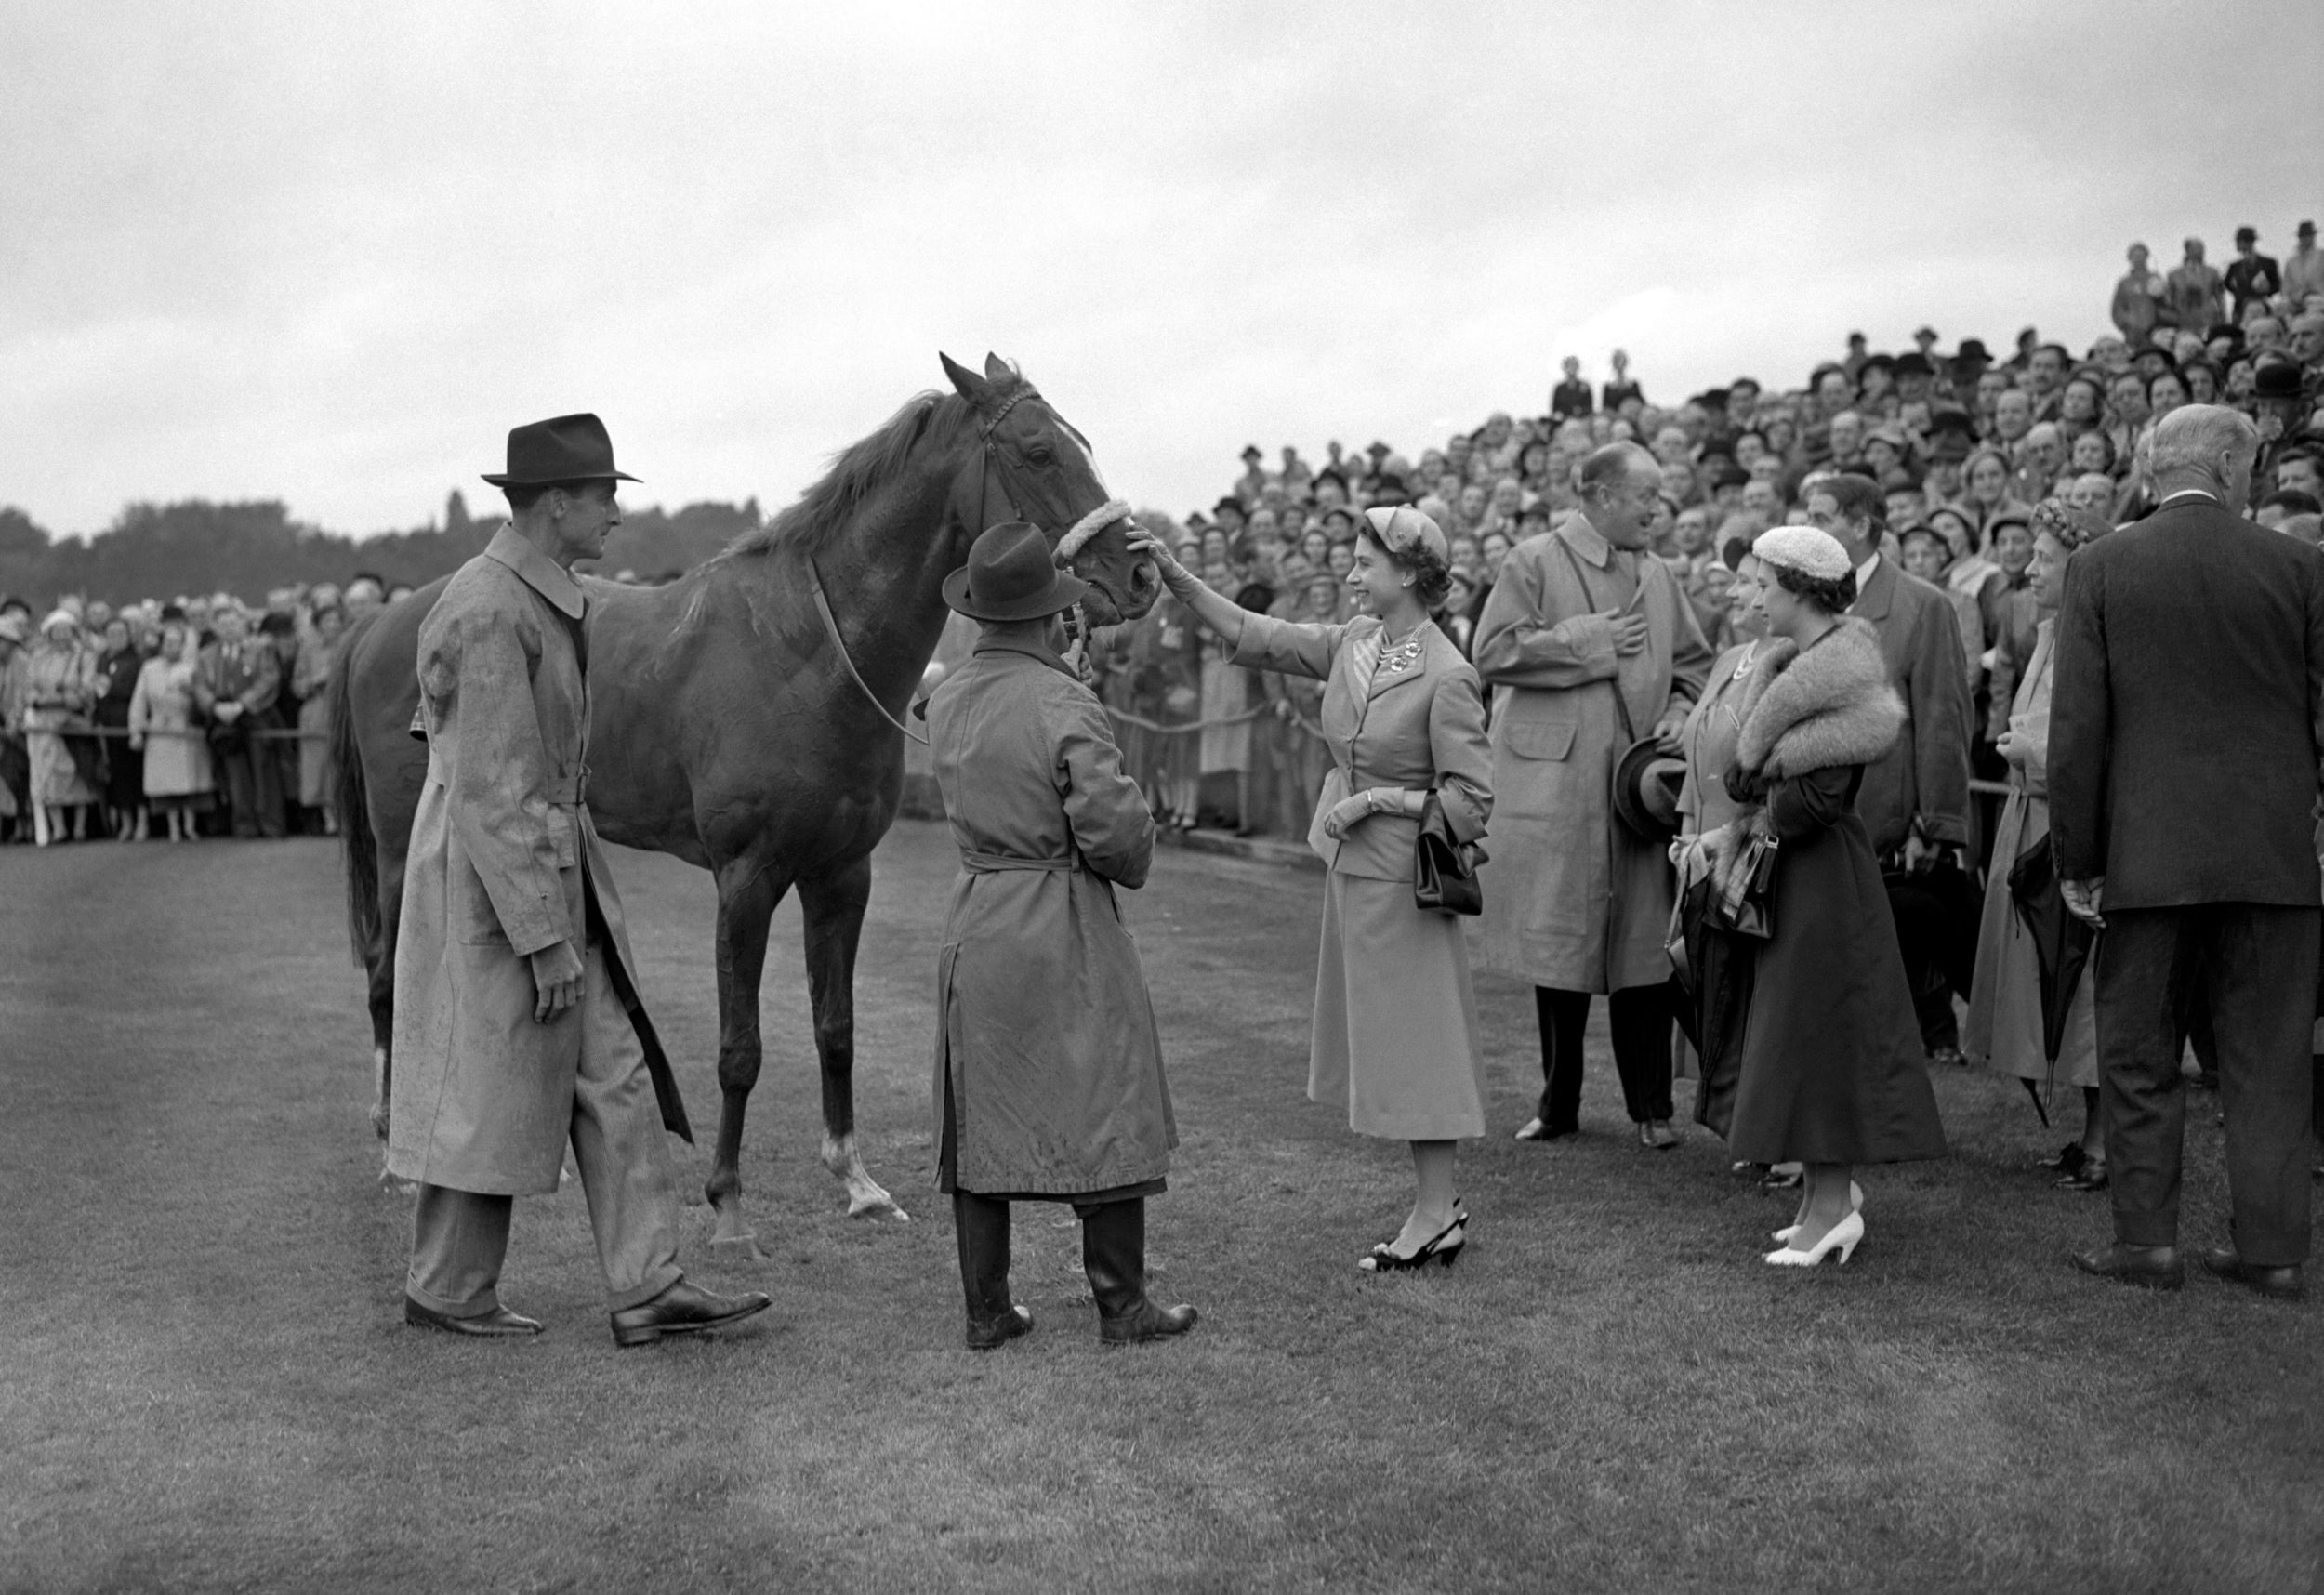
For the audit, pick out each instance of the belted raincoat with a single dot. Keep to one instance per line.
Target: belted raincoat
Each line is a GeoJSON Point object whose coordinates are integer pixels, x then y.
{"type": "Point", "coordinates": [1049, 1067]}
{"type": "Point", "coordinates": [503, 863]}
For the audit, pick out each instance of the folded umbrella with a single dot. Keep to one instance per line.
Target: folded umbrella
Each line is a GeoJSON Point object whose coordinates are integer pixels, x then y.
{"type": "Point", "coordinates": [2062, 944]}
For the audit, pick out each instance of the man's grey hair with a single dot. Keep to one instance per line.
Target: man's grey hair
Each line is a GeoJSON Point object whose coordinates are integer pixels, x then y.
{"type": "Point", "coordinates": [2190, 440]}
{"type": "Point", "coordinates": [1612, 466]}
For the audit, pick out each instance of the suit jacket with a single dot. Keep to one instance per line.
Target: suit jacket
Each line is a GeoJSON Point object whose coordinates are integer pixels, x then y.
{"type": "Point", "coordinates": [1425, 728]}
{"type": "Point", "coordinates": [1924, 776]}
{"type": "Point", "coordinates": [2188, 713]}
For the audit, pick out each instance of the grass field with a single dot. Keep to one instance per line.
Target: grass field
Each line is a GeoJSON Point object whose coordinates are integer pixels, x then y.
{"type": "Point", "coordinates": [209, 1385]}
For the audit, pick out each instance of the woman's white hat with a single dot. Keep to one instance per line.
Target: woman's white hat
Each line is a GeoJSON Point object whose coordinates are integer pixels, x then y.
{"type": "Point", "coordinates": [1806, 549]}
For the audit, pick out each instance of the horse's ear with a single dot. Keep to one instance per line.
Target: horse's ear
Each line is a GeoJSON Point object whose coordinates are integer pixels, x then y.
{"type": "Point", "coordinates": [998, 369]}
{"type": "Point", "coordinates": [965, 383]}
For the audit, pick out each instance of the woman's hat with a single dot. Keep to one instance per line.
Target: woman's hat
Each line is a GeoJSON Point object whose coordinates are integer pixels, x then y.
{"type": "Point", "coordinates": [1647, 783]}
{"type": "Point", "coordinates": [1807, 549]}
{"type": "Point", "coordinates": [1399, 528]}
{"type": "Point", "coordinates": [56, 618]}
{"type": "Point", "coordinates": [569, 448]}
{"type": "Point", "coordinates": [1013, 575]}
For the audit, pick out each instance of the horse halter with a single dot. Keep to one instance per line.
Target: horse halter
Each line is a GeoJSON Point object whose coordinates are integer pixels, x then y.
{"type": "Point", "coordinates": [1076, 538]}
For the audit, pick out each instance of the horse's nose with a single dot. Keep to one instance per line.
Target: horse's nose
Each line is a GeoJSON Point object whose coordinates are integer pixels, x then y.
{"type": "Point", "coordinates": [1144, 578]}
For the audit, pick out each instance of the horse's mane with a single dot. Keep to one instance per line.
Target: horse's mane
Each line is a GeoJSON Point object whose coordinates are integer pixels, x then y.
{"type": "Point", "coordinates": [857, 472]}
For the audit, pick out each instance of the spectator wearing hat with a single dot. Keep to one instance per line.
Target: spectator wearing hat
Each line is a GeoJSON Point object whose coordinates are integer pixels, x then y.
{"type": "Point", "coordinates": [1570, 398]}
{"type": "Point", "coordinates": [2251, 278]}
{"type": "Point", "coordinates": [1915, 796]}
{"type": "Point", "coordinates": [2195, 292]}
{"type": "Point", "coordinates": [1967, 370]}
{"type": "Point", "coordinates": [1619, 390]}
{"type": "Point", "coordinates": [2141, 300]}
{"type": "Point", "coordinates": [1253, 481]}
{"type": "Point", "coordinates": [1830, 1072]}
{"type": "Point", "coordinates": [2303, 270]}
{"type": "Point", "coordinates": [2190, 633]}
{"type": "Point", "coordinates": [117, 663]}
{"type": "Point", "coordinates": [175, 768]}
{"type": "Point", "coordinates": [2007, 1026]}
{"type": "Point", "coordinates": [1590, 646]}
{"type": "Point", "coordinates": [58, 688]}
{"type": "Point", "coordinates": [1395, 1040]}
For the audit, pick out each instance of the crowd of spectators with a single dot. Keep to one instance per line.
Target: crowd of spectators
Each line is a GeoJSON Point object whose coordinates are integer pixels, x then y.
{"type": "Point", "coordinates": [200, 715]}
{"type": "Point", "coordinates": [1963, 445]}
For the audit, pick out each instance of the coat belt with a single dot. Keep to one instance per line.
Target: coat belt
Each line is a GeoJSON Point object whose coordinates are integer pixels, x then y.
{"type": "Point", "coordinates": [564, 791]}
{"type": "Point", "coordinates": [984, 864]}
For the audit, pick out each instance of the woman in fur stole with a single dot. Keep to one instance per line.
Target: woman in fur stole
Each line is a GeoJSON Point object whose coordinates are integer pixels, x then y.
{"type": "Point", "coordinates": [1831, 1060]}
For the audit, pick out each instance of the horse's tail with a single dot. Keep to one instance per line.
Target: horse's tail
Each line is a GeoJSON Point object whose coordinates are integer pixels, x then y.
{"type": "Point", "coordinates": [359, 849]}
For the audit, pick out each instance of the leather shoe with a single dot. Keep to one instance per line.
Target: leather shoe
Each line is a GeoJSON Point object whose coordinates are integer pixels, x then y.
{"type": "Point", "coordinates": [496, 1324]}
{"type": "Point", "coordinates": [2151, 1267]}
{"type": "Point", "coordinates": [1537, 1131]}
{"type": "Point", "coordinates": [684, 1308]}
{"type": "Point", "coordinates": [2283, 1282]}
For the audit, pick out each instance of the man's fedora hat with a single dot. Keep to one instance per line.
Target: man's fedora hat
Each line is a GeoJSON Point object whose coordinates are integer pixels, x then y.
{"type": "Point", "coordinates": [1646, 783]}
{"type": "Point", "coordinates": [569, 448]}
{"type": "Point", "coordinates": [2276, 379]}
{"type": "Point", "coordinates": [1972, 352]}
{"type": "Point", "coordinates": [1012, 574]}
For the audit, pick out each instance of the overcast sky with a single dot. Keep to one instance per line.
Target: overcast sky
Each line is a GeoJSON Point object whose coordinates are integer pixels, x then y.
{"type": "Point", "coordinates": [330, 254]}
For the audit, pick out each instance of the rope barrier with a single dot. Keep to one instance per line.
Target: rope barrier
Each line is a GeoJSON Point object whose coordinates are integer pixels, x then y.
{"type": "Point", "coordinates": [122, 734]}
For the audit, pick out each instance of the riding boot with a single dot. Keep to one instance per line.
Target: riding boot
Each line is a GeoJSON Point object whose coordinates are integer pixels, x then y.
{"type": "Point", "coordinates": [1114, 1255]}
{"type": "Point", "coordinates": [981, 1226]}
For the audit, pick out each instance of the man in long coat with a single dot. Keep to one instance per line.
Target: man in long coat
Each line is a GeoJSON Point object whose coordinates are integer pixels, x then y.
{"type": "Point", "coordinates": [518, 1024]}
{"type": "Point", "coordinates": [1048, 1081]}
{"type": "Point", "coordinates": [1589, 645]}
{"type": "Point", "coordinates": [2186, 728]}
{"type": "Point", "coordinates": [1914, 801]}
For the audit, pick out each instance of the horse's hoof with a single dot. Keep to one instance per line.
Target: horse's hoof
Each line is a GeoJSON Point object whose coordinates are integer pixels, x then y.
{"type": "Point", "coordinates": [880, 1206]}
{"type": "Point", "coordinates": [396, 1185]}
{"type": "Point", "coordinates": [737, 1249]}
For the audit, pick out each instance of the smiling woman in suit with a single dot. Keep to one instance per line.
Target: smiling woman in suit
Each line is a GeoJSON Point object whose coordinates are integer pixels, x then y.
{"type": "Point", "coordinates": [1396, 1036]}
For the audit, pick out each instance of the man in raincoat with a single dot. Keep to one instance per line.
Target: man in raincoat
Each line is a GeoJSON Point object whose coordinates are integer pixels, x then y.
{"type": "Point", "coordinates": [1589, 647]}
{"type": "Point", "coordinates": [518, 1024]}
{"type": "Point", "coordinates": [1049, 1070]}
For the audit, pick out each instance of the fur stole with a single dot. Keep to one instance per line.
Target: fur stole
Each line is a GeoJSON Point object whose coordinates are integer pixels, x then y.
{"type": "Point", "coordinates": [1829, 707]}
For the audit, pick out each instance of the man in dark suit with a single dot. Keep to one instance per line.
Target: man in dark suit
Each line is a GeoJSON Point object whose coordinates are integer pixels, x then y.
{"type": "Point", "coordinates": [2184, 737]}
{"type": "Point", "coordinates": [1915, 800]}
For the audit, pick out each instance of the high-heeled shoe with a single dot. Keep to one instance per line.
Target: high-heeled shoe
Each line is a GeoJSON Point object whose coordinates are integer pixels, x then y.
{"type": "Point", "coordinates": [1856, 1204]}
{"type": "Point", "coordinates": [1844, 1236]}
{"type": "Point", "coordinates": [1443, 1247]}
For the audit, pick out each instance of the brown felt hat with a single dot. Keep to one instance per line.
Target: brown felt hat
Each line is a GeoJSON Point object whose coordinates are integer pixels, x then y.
{"type": "Point", "coordinates": [1012, 574]}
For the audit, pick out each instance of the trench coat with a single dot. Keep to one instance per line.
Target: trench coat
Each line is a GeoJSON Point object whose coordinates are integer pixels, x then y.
{"type": "Point", "coordinates": [1048, 1064]}
{"type": "Point", "coordinates": [1573, 899]}
{"type": "Point", "coordinates": [504, 862]}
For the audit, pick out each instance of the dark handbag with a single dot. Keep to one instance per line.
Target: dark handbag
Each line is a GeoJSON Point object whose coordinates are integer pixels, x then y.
{"type": "Point", "coordinates": [1755, 914]}
{"type": "Point", "coordinates": [1445, 871]}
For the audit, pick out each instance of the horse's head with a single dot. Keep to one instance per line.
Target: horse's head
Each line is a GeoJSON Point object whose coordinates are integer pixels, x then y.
{"type": "Point", "coordinates": [1031, 464]}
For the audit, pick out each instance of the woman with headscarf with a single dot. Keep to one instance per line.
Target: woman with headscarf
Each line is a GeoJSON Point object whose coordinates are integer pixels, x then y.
{"type": "Point", "coordinates": [1394, 1041]}
{"type": "Point", "coordinates": [59, 688]}
{"type": "Point", "coordinates": [1831, 1067]}
{"type": "Point", "coordinates": [2005, 1031]}
{"type": "Point", "coordinates": [177, 773]}
{"type": "Point", "coordinates": [118, 665]}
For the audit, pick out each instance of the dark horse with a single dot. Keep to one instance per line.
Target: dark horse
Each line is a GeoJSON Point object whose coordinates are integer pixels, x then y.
{"type": "Point", "coordinates": [729, 730]}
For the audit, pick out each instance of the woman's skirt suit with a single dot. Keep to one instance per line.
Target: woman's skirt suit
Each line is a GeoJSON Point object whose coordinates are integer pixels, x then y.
{"type": "Point", "coordinates": [1395, 1039]}
{"type": "Point", "coordinates": [1831, 1059]}
{"type": "Point", "coordinates": [2005, 1020]}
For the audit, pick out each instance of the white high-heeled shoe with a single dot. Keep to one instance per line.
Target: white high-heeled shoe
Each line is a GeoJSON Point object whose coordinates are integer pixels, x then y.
{"type": "Point", "coordinates": [1843, 1235]}
{"type": "Point", "coordinates": [1856, 1204]}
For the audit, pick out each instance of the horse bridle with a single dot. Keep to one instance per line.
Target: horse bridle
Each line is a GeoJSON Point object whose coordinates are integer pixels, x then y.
{"type": "Point", "coordinates": [1072, 543]}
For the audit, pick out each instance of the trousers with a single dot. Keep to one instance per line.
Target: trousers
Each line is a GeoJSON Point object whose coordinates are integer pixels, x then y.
{"type": "Point", "coordinates": [461, 1238]}
{"type": "Point", "coordinates": [2257, 965]}
{"type": "Point", "coordinates": [246, 768]}
{"type": "Point", "coordinates": [1640, 1018]}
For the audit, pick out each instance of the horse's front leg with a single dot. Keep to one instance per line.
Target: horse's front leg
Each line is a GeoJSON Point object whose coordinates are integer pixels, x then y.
{"type": "Point", "coordinates": [748, 891]}
{"type": "Point", "coordinates": [833, 911]}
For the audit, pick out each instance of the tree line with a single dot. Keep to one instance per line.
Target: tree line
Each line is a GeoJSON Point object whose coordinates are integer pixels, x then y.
{"type": "Point", "coordinates": [195, 546]}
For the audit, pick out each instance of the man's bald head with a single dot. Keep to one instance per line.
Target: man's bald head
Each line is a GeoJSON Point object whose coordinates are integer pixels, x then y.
{"type": "Point", "coordinates": [1621, 488]}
